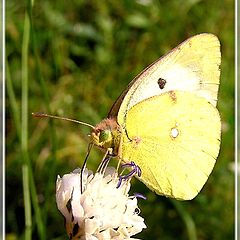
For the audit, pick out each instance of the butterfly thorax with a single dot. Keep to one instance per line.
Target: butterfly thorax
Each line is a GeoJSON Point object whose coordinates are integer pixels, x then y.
{"type": "Point", "coordinates": [107, 135]}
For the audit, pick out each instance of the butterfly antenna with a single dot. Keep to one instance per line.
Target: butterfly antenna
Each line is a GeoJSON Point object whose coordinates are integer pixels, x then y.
{"type": "Point", "coordinates": [84, 166]}
{"type": "Point", "coordinates": [45, 115]}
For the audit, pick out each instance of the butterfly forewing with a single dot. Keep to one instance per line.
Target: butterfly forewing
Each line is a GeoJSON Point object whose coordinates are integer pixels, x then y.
{"type": "Point", "coordinates": [192, 66]}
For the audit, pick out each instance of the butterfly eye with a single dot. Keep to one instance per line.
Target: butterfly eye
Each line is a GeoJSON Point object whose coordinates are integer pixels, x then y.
{"type": "Point", "coordinates": [104, 135]}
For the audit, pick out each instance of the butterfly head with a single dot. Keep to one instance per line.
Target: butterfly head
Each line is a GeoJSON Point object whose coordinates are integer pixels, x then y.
{"type": "Point", "coordinates": [107, 134]}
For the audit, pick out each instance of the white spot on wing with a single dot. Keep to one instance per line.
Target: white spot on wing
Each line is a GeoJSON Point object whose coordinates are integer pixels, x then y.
{"type": "Point", "coordinates": [174, 132]}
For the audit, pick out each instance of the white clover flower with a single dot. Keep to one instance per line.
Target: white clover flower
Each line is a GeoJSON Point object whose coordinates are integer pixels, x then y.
{"type": "Point", "coordinates": [102, 211]}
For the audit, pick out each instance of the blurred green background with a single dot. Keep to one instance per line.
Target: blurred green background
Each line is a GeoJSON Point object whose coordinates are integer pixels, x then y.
{"type": "Point", "coordinates": [73, 58]}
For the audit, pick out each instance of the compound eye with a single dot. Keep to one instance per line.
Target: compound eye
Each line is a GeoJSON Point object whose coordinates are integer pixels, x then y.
{"type": "Point", "coordinates": [104, 135]}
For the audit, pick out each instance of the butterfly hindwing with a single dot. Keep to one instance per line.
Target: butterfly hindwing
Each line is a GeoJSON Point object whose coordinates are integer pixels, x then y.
{"type": "Point", "coordinates": [174, 138]}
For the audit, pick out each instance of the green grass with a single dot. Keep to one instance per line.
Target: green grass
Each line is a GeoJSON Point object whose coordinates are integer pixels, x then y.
{"type": "Point", "coordinates": [74, 59]}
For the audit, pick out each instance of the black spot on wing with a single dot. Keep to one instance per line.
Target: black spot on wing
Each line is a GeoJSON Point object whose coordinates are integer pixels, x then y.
{"type": "Point", "coordinates": [161, 83]}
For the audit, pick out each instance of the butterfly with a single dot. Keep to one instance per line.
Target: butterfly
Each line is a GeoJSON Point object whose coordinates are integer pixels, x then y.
{"type": "Point", "coordinates": [166, 120]}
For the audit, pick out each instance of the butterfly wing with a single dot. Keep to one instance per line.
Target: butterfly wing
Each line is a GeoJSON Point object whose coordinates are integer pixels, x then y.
{"type": "Point", "coordinates": [174, 138]}
{"type": "Point", "coordinates": [192, 66]}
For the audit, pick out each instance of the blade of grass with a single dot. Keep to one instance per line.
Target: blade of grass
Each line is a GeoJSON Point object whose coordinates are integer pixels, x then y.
{"type": "Point", "coordinates": [24, 132]}
{"type": "Point", "coordinates": [27, 202]}
{"type": "Point", "coordinates": [44, 88]}
{"type": "Point", "coordinates": [189, 223]}
{"type": "Point", "coordinates": [27, 169]}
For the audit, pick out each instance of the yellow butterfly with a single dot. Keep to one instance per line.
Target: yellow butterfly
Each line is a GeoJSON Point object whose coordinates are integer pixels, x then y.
{"type": "Point", "coordinates": [166, 120]}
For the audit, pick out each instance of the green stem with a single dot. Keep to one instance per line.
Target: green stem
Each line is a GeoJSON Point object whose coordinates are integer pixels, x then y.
{"type": "Point", "coordinates": [24, 128]}
{"type": "Point", "coordinates": [27, 168]}
{"type": "Point", "coordinates": [44, 88]}
{"type": "Point", "coordinates": [27, 204]}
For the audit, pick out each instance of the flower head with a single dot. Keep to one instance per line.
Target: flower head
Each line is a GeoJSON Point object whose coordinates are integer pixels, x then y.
{"type": "Point", "coordinates": [103, 210]}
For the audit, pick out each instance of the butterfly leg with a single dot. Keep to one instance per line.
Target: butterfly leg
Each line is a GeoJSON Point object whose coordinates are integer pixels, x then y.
{"type": "Point", "coordinates": [105, 160]}
{"type": "Point", "coordinates": [119, 155]}
{"type": "Point", "coordinates": [84, 166]}
{"type": "Point", "coordinates": [135, 171]}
